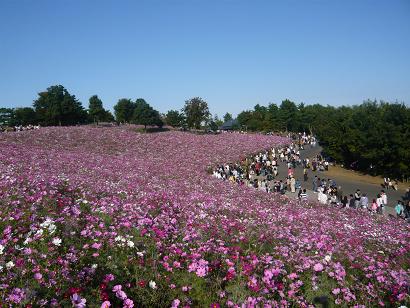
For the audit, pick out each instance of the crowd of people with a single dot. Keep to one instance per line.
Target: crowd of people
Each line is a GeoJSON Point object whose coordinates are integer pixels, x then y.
{"type": "Point", "coordinates": [18, 128]}
{"type": "Point", "coordinates": [261, 172]}
{"type": "Point", "coordinates": [329, 193]}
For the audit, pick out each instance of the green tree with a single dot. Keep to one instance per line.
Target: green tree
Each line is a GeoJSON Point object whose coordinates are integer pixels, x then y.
{"type": "Point", "coordinates": [218, 121]}
{"type": "Point", "coordinates": [245, 118]}
{"type": "Point", "coordinates": [7, 117]}
{"type": "Point", "coordinates": [96, 109]}
{"type": "Point", "coordinates": [57, 106]}
{"type": "Point", "coordinates": [145, 115]}
{"type": "Point", "coordinates": [196, 111]}
{"type": "Point", "coordinates": [227, 117]}
{"type": "Point", "coordinates": [25, 116]}
{"type": "Point", "coordinates": [272, 118]}
{"type": "Point", "coordinates": [124, 110]}
{"type": "Point", "coordinates": [174, 118]}
{"type": "Point", "coordinates": [287, 114]}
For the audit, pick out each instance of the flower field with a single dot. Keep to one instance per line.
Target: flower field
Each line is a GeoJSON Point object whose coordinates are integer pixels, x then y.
{"type": "Point", "coordinates": [100, 217]}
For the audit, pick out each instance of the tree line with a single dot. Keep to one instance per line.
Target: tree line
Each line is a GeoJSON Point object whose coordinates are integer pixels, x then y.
{"type": "Point", "coordinates": [57, 107]}
{"type": "Point", "coordinates": [373, 137]}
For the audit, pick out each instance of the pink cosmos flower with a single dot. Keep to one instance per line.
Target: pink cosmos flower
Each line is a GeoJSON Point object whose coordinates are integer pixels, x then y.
{"type": "Point", "coordinates": [77, 301]}
{"type": "Point", "coordinates": [318, 267]}
{"type": "Point", "coordinates": [106, 304]}
{"type": "Point", "coordinates": [175, 303]}
{"type": "Point", "coordinates": [128, 303]}
{"type": "Point", "coordinates": [117, 288]}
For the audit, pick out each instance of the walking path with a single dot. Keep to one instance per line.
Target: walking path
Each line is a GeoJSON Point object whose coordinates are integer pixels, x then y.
{"type": "Point", "coordinates": [349, 186]}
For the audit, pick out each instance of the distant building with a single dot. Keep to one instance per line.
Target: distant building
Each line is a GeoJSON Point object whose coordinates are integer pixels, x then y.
{"type": "Point", "coordinates": [229, 125]}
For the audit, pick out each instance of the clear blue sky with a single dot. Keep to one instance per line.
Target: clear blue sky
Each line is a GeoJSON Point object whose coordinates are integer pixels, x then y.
{"type": "Point", "coordinates": [233, 54]}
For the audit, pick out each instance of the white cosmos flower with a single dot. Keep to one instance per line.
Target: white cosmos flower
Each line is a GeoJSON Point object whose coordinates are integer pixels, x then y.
{"type": "Point", "coordinates": [56, 241]}
{"type": "Point", "coordinates": [10, 264]}
{"type": "Point", "coordinates": [130, 244]}
{"type": "Point", "coordinates": [152, 285]}
{"type": "Point", "coordinates": [1, 249]}
{"type": "Point", "coordinates": [140, 253]}
{"type": "Point", "coordinates": [328, 258]}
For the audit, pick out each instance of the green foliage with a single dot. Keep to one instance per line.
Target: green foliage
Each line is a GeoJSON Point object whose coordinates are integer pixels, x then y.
{"type": "Point", "coordinates": [218, 121]}
{"type": "Point", "coordinates": [25, 116]}
{"type": "Point", "coordinates": [124, 110]}
{"type": "Point", "coordinates": [97, 112]}
{"type": "Point", "coordinates": [174, 118]}
{"type": "Point", "coordinates": [7, 116]}
{"type": "Point", "coordinates": [371, 134]}
{"type": "Point", "coordinates": [196, 111]}
{"type": "Point", "coordinates": [227, 117]}
{"type": "Point", "coordinates": [145, 115]}
{"type": "Point", "coordinates": [57, 106]}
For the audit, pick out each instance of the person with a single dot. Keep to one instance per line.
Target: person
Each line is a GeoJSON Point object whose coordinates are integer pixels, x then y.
{"type": "Point", "coordinates": [357, 196]}
{"type": "Point", "coordinates": [340, 193]}
{"type": "Point", "coordinates": [374, 206]}
{"type": "Point", "coordinates": [305, 174]}
{"type": "Point", "coordinates": [333, 199]}
{"type": "Point", "coordinates": [407, 194]}
{"type": "Point", "coordinates": [399, 209]}
{"type": "Point", "coordinates": [407, 211]}
{"type": "Point", "coordinates": [379, 202]}
{"type": "Point", "coordinates": [322, 197]}
{"type": "Point", "coordinates": [395, 185]}
{"type": "Point", "coordinates": [303, 196]}
{"type": "Point", "coordinates": [384, 198]}
{"type": "Point", "coordinates": [275, 171]}
{"type": "Point", "coordinates": [315, 184]}
{"type": "Point", "coordinates": [297, 184]}
{"type": "Point", "coordinates": [351, 201]}
{"type": "Point", "coordinates": [345, 202]}
{"type": "Point", "coordinates": [292, 184]}
{"type": "Point", "coordinates": [364, 201]}
{"type": "Point", "coordinates": [290, 171]}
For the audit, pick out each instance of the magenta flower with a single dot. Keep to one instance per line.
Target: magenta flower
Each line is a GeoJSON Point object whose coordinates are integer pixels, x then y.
{"type": "Point", "coordinates": [318, 267]}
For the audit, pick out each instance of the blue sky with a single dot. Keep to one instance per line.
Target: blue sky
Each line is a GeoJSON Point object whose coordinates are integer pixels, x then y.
{"type": "Point", "coordinates": [233, 54]}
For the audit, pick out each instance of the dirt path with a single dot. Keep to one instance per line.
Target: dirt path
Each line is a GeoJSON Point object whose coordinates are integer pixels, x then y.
{"type": "Point", "coordinates": [337, 171]}
{"type": "Point", "coordinates": [350, 181]}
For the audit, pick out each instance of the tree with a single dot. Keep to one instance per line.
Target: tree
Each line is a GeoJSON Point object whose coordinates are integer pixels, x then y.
{"type": "Point", "coordinates": [218, 121]}
{"type": "Point", "coordinates": [96, 109]}
{"type": "Point", "coordinates": [145, 115]}
{"type": "Point", "coordinates": [244, 118]}
{"type": "Point", "coordinates": [7, 116]}
{"type": "Point", "coordinates": [174, 118]}
{"type": "Point", "coordinates": [287, 114]}
{"type": "Point", "coordinates": [196, 111]}
{"type": "Point", "coordinates": [57, 106]}
{"type": "Point", "coordinates": [124, 110]}
{"type": "Point", "coordinates": [25, 116]}
{"type": "Point", "coordinates": [227, 117]}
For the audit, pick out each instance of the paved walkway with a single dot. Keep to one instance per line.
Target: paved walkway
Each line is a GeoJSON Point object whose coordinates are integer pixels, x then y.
{"type": "Point", "coordinates": [348, 187]}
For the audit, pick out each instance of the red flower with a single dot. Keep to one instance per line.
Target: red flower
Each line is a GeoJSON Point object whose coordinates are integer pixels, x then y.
{"type": "Point", "coordinates": [73, 290]}
{"type": "Point", "coordinates": [142, 283]}
{"type": "Point", "coordinates": [103, 286]}
{"type": "Point", "coordinates": [104, 296]}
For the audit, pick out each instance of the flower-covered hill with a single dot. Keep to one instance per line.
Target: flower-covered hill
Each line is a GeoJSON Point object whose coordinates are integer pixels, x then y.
{"type": "Point", "coordinates": [105, 215]}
